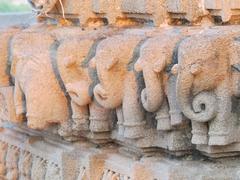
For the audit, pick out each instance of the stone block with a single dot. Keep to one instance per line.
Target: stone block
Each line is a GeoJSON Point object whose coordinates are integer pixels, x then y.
{"type": "Point", "coordinates": [139, 6]}
{"type": "Point", "coordinates": [101, 6]}
{"type": "Point", "coordinates": [235, 4]}
{"type": "Point", "coordinates": [224, 9]}
{"type": "Point", "coordinates": [213, 4]}
{"type": "Point", "coordinates": [190, 10]}
{"type": "Point", "coordinates": [177, 6]}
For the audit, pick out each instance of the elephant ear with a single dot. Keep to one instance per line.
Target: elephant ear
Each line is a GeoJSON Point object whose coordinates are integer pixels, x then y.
{"type": "Point", "coordinates": [159, 65]}
{"type": "Point", "coordinates": [111, 63]}
{"type": "Point", "coordinates": [139, 64]}
{"type": "Point", "coordinates": [235, 55]}
{"type": "Point", "coordinates": [175, 69]}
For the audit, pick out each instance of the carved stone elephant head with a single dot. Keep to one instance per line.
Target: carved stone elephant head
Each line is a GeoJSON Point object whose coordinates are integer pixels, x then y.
{"type": "Point", "coordinates": [75, 79]}
{"type": "Point", "coordinates": [118, 87]}
{"type": "Point", "coordinates": [201, 71]}
{"type": "Point", "coordinates": [78, 78]}
{"type": "Point", "coordinates": [156, 55]}
{"type": "Point", "coordinates": [71, 54]}
{"type": "Point", "coordinates": [204, 87]}
{"type": "Point", "coordinates": [37, 92]}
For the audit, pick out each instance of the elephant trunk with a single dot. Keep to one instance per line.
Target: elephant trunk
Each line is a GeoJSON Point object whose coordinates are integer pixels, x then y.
{"type": "Point", "coordinates": [107, 99]}
{"type": "Point", "coordinates": [152, 95]}
{"type": "Point", "coordinates": [202, 107]}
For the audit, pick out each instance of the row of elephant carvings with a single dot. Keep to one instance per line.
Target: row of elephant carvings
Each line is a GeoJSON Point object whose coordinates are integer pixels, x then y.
{"type": "Point", "coordinates": [82, 80]}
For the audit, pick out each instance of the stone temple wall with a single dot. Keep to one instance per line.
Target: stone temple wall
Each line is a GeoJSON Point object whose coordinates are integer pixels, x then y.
{"type": "Point", "coordinates": [122, 90]}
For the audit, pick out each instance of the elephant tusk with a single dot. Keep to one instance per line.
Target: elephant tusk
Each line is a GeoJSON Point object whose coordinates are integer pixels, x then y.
{"type": "Point", "coordinates": [159, 66]}
{"type": "Point", "coordinates": [195, 69]}
{"type": "Point", "coordinates": [99, 91]}
{"type": "Point", "coordinates": [137, 67]}
{"type": "Point", "coordinates": [175, 69]}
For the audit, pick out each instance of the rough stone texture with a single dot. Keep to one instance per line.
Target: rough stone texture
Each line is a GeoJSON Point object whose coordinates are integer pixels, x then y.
{"type": "Point", "coordinates": [153, 61]}
{"type": "Point", "coordinates": [73, 56]}
{"type": "Point", "coordinates": [112, 57]}
{"type": "Point", "coordinates": [149, 10]}
{"type": "Point", "coordinates": [85, 162]}
{"type": "Point", "coordinates": [6, 35]}
{"type": "Point", "coordinates": [83, 76]}
{"type": "Point", "coordinates": [35, 84]}
{"type": "Point", "coordinates": [12, 162]}
{"type": "Point", "coordinates": [191, 10]}
{"type": "Point", "coordinates": [8, 110]}
{"type": "Point", "coordinates": [26, 155]}
{"type": "Point", "coordinates": [3, 148]}
{"type": "Point", "coordinates": [98, 12]}
{"type": "Point", "coordinates": [209, 78]}
{"type": "Point", "coordinates": [25, 165]}
{"type": "Point", "coordinates": [227, 10]}
{"type": "Point", "coordinates": [129, 12]}
{"type": "Point", "coordinates": [99, 100]}
{"type": "Point", "coordinates": [6, 90]}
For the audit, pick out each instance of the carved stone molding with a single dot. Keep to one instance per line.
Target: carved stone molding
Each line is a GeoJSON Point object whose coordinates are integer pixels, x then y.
{"type": "Point", "coordinates": [132, 12]}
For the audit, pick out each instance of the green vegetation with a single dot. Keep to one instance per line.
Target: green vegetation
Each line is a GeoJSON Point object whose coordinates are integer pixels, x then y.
{"type": "Point", "coordinates": [7, 6]}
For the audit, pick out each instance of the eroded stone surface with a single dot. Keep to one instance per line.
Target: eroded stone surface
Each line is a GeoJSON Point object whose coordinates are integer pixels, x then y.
{"type": "Point", "coordinates": [85, 75]}
{"type": "Point", "coordinates": [12, 162]}
{"type": "Point", "coordinates": [25, 165]}
{"type": "Point", "coordinates": [150, 91]}
{"type": "Point", "coordinates": [36, 87]}
{"type": "Point", "coordinates": [73, 59]}
{"type": "Point", "coordinates": [130, 12]}
{"type": "Point", "coordinates": [6, 36]}
{"type": "Point", "coordinates": [210, 78]}
{"type": "Point", "coordinates": [118, 85]}
{"type": "Point", "coordinates": [88, 162]}
{"type": "Point", "coordinates": [3, 148]}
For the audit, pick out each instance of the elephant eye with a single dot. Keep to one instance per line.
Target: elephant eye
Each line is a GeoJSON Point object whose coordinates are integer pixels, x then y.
{"type": "Point", "coordinates": [203, 106]}
{"type": "Point", "coordinates": [72, 93]}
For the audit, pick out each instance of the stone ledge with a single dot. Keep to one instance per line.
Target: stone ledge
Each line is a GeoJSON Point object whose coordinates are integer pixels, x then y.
{"type": "Point", "coordinates": [85, 161]}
